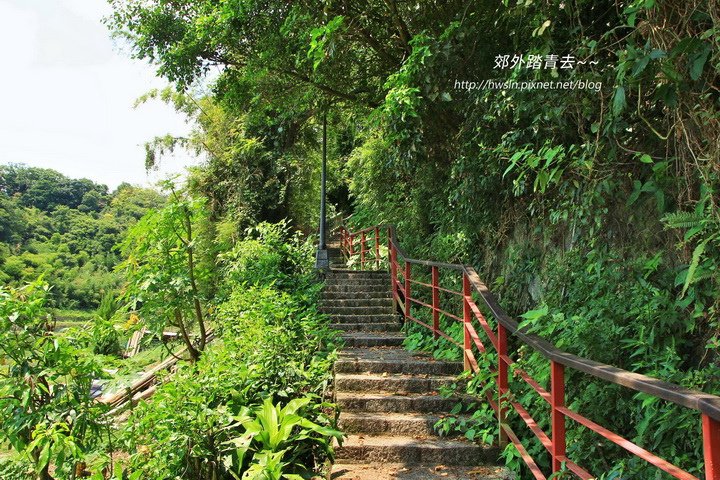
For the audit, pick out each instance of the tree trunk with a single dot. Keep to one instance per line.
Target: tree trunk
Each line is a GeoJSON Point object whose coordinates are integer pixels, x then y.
{"type": "Point", "coordinates": [193, 284]}
{"type": "Point", "coordinates": [194, 354]}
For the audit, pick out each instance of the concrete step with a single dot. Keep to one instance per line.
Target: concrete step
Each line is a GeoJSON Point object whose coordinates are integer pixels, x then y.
{"type": "Point", "coordinates": [356, 302]}
{"type": "Point", "coordinates": [393, 383]}
{"type": "Point", "coordinates": [358, 310]}
{"type": "Point", "coordinates": [402, 471]}
{"type": "Point", "coordinates": [388, 424]}
{"type": "Point", "coordinates": [411, 450]}
{"type": "Point", "coordinates": [367, 327]}
{"type": "Point", "coordinates": [359, 288]}
{"type": "Point", "coordinates": [364, 284]}
{"type": "Point", "coordinates": [363, 339]}
{"type": "Point", "coordinates": [392, 360]}
{"type": "Point", "coordinates": [366, 318]}
{"type": "Point", "coordinates": [358, 274]}
{"type": "Point", "coordinates": [353, 295]}
{"type": "Point", "coordinates": [388, 402]}
{"type": "Point", "coordinates": [350, 302]}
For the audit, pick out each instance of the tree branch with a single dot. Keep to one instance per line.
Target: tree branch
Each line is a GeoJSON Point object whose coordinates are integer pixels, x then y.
{"type": "Point", "coordinates": [399, 24]}
{"type": "Point", "coordinates": [325, 88]}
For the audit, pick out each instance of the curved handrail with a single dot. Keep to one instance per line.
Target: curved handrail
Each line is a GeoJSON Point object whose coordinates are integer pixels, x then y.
{"type": "Point", "coordinates": [703, 402]}
{"type": "Point", "coordinates": [708, 405]}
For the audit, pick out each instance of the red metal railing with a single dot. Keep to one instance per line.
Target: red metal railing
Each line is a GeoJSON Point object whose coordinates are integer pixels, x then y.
{"type": "Point", "coordinates": [366, 244]}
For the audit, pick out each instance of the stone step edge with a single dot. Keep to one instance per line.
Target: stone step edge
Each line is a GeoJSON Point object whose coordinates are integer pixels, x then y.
{"type": "Point", "coordinates": [425, 421]}
{"type": "Point", "coordinates": [414, 450]}
{"type": "Point", "coordinates": [373, 471]}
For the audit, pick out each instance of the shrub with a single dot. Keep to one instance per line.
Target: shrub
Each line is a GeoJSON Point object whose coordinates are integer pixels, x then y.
{"type": "Point", "coordinates": [253, 403]}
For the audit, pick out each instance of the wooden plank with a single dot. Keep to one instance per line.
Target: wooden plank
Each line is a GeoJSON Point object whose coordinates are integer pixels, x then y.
{"type": "Point", "coordinates": [147, 380]}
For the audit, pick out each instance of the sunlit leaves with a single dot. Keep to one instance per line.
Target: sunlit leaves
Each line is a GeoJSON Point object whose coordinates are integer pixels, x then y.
{"type": "Point", "coordinates": [46, 411]}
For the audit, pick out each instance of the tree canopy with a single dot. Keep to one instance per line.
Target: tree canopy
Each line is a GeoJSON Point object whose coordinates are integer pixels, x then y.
{"type": "Point", "coordinates": [594, 202]}
{"type": "Point", "coordinates": [65, 230]}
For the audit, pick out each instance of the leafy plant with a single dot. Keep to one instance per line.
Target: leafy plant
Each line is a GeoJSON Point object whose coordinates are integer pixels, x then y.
{"type": "Point", "coordinates": [281, 442]}
{"type": "Point", "coordinates": [170, 270]}
{"type": "Point", "coordinates": [702, 223]}
{"type": "Point", "coordinates": [105, 338]}
{"type": "Point", "coordinates": [253, 405]}
{"type": "Point", "coordinates": [46, 412]}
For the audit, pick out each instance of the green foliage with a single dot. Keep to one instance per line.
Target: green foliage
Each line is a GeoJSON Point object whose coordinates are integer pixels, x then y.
{"type": "Point", "coordinates": [47, 189]}
{"type": "Point", "coordinates": [270, 253]}
{"type": "Point", "coordinates": [105, 338]}
{"type": "Point", "coordinates": [281, 441]}
{"type": "Point", "coordinates": [169, 270]}
{"type": "Point", "coordinates": [45, 405]}
{"type": "Point", "coordinates": [321, 41]}
{"type": "Point", "coordinates": [61, 236]}
{"type": "Point", "coordinates": [700, 223]}
{"type": "Point", "coordinates": [15, 469]}
{"type": "Point", "coordinates": [561, 198]}
{"type": "Point", "coordinates": [253, 405]}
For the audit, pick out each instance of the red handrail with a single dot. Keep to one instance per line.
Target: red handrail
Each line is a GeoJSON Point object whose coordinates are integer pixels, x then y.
{"type": "Point", "coordinates": [401, 281]}
{"type": "Point", "coordinates": [368, 245]}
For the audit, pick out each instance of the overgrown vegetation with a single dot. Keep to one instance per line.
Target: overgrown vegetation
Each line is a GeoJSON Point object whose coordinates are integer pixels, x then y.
{"type": "Point", "coordinates": [253, 404]}
{"type": "Point", "coordinates": [170, 268]}
{"type": "Point", "coordinates": [591, 213]}
{"type": "Point", "coordinates": [46, 409]}
{"type": "Point", "coordinates": [595, 207]}
{"type": "Point", "coordinates": [65, 230]}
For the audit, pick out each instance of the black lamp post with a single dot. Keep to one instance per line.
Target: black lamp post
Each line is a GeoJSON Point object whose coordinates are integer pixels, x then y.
{"type": "Point", "coordinates": [322, 260]}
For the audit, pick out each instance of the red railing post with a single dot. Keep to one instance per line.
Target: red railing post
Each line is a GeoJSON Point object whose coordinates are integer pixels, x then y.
{"type": "Point", "coordinates": [711, 447]}
{"type": "Point", "coordinates": [557, 399]}
{"type": "Point", "coordinates": [351, 241]}
{"type": "Point", "coordinates": [363, 248]}
{"type": "Point", "coordinates": [502, 383]}
{"type": "Point", "coordinates": [407, 290]}
{"type": "Point", "coordinates": [377, 247]}
{"type": "Point", "coordinates": [390, 247]}
{"type": "Point", "coordinates": [393, 270]}
{"type": "Point", "coordinates": [436, 301]}
{"type": "Point", "coordinates": [466, 321]}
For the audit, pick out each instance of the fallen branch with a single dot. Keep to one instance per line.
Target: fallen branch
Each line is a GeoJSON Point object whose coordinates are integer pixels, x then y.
{"type": "Point", "coordinates": [143, 387]}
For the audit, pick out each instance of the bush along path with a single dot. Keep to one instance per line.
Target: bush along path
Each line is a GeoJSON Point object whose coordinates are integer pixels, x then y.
{"type": "Point", "coordinates": [388, 396]}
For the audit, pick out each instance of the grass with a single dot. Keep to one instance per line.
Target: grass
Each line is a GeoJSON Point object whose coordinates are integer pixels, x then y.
{"type": "Point", "coordinates": [130, 369]}
{"type": "Point", "coordinates": [121, 371]}
{"type": "Point", "coordinates": [69, 315]}
{"type": "Point", "coordinates": [66, 318]}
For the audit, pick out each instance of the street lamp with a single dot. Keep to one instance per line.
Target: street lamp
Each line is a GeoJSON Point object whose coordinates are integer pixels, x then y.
{"type": "Point", "coordinates": [322, 261]}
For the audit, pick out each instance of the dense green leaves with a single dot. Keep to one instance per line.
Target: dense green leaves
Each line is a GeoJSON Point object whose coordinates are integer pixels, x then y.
{"type": "Point", "coordinates": [170, 268]}
{"type": "Point", "coordinates": [253, 405]}
{"type": "Point", "coordinates": [556, 195]}
{"type": "Point", "coordinates": [46, 410]}
{"type": "Point", "coordinates": [67, 236]}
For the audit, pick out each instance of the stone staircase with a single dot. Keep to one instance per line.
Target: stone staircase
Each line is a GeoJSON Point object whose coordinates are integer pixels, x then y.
{"type": "Point", "coordinates": [388, 396]}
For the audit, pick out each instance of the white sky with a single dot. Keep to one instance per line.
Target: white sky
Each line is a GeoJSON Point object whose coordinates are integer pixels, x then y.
{"type": "Point", "coordinates": [67, 94]}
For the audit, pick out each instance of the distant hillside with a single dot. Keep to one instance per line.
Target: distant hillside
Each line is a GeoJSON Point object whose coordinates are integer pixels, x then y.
{"type": "Point", "coordinates": [65, 229]}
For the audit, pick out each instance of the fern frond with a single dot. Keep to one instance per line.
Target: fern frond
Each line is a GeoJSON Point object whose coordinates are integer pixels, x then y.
{"type": "Point", "coordinates": [704, 275]}
{"type": "Point", "coordinates": [697, 253]}
{"type": "Point", "coordinates": [683, 220]}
